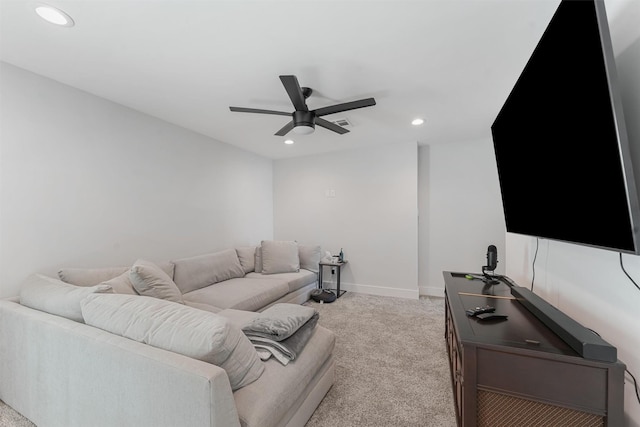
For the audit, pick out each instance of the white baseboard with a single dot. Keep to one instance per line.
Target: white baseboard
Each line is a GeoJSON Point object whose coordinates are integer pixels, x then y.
{"type": "Point", "coordinates": [431, 291]}
{"type": "Point", "coordinates": [380, 290]}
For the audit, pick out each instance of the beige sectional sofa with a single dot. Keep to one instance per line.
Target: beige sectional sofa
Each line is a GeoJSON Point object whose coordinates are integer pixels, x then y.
{"type": "Point", "coordinates": [58, 370]}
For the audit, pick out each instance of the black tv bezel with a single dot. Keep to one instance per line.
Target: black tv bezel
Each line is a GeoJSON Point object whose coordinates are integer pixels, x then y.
{"type": "Point", "coordinates": [623, 144]}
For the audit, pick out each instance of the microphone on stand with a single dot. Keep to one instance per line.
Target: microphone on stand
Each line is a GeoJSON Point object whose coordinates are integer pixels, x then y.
{"type": "Point", "coordinates": [492, 258]}
{"type": "Point", "coordinates": [492, 263]}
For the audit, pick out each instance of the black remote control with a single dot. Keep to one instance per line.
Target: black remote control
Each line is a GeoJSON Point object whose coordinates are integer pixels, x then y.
{"type": "Point", "coordinates": [479, 310]}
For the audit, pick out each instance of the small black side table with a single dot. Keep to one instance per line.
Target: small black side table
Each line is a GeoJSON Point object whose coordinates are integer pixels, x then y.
{"type": "Point", "coordinates": [338, 266]}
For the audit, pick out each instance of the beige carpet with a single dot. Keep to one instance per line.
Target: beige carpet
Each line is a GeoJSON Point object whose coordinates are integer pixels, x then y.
{"type": "Point", "coordinates": [391, 365]}
{"type": "Point", "coordinates": [10, 418]}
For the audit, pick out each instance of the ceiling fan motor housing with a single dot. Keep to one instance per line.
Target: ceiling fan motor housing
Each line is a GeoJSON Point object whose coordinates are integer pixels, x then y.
{"type": "Point", "coordinates": [304, 118]}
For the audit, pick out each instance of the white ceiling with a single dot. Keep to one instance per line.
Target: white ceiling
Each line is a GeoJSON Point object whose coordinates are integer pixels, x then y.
{"type": "Point", "coordinates": [452, 62]}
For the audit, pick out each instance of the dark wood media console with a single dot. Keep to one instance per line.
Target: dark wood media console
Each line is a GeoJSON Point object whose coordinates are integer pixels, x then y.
{"type": "Point", "coordinates": [518, 371]}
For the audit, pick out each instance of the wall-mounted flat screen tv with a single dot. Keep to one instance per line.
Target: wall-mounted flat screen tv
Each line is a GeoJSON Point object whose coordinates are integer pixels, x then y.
{"type": "Point", "coordinates": [560, 141]}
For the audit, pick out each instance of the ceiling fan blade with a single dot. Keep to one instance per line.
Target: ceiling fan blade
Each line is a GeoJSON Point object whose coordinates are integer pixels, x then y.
{"type": "Point", "coordinates": [331, 126]}
{"type": "Point", "coordinates": [345, 107]}
{"type": "Point", "coordinates": [256, 110]}
{"type": "Point", "coordinates": [292, 87]}
{"type": "Point", "coordinates": [285, 129]}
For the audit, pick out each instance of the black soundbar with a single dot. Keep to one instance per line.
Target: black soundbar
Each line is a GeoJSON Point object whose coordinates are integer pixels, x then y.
{"type": "Point", "coordinates": [585, 342]}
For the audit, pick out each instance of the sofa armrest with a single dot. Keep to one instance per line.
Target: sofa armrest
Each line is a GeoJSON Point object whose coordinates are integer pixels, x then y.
{"type": "Point", "coordinates": [59, 372]}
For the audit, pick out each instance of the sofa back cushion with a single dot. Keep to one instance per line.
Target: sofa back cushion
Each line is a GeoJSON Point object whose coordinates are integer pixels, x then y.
{"type": "Point", "coordinates": [178, 328]}
{"type": "Point", "coordinates": [204, 270]}
{"type": "Point", "coordinates": [89, 276]}
{"type": "Point", "coordinates": [94, 276]}
{"type": "Point", "coordinates": [280, 256]}
{"type": "Point", "coordinates": [56, 297]}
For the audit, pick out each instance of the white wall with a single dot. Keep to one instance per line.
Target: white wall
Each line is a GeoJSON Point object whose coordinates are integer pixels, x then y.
{"type": "Point", "coordinates": [424, 197]}
{"type": "Point", "coordinates": [465, 211]}
{"type": "Point", "coordinates": [589, 284]}
{"type": "Point", "coordinates": [373, 216]}
{"type": "Point", "coordinates": [86, 182]}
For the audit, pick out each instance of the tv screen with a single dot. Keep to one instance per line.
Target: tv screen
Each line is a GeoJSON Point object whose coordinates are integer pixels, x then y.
{"type": "Point", "coordinates": [560, 142]}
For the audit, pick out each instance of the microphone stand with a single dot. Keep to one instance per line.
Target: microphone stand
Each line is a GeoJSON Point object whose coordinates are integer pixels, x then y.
{"type": "Point", "coordinates": [488, 280]}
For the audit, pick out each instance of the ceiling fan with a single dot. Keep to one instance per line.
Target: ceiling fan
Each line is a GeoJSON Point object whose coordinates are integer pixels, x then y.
{"type": "Point", "coordinates": [304, 120]}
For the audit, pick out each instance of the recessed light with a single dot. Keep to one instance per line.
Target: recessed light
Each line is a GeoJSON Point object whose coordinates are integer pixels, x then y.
{"type": "Point", "coordinates": [417, 122]}
{"type": "Point", "coordinates": [288, 141]}
{"type": "Point", "coordinates": [54, 15]}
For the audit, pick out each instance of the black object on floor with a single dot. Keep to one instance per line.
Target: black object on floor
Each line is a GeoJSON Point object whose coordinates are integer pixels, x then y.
{"type": "Point", "coordinates": [319, 295]}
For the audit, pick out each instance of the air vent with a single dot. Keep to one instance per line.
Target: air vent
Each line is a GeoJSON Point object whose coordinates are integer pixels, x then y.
{"type": "Point", "coordinates": [342, 122]}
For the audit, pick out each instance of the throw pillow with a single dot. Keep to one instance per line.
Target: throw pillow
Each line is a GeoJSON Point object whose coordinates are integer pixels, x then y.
{"type": "Point", "coordinates": [247, 257]}
{"type": "Point", "coordinates": [280, 256]}
{"type": "Point", "coordinates": [149, 279]}
{"type": "Point", "coordinates": [53, 296]}
{"type": "Point", "coordinates": [121, 284]}
{"type": "Point", "coordinates": [194, 333]}
{"type": "Point", "coordinates": [258, 266]}
{"type": "Point", "coordinates": [310, 256]}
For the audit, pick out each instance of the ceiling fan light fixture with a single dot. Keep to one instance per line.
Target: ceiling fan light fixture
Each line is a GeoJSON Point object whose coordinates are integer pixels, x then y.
{"type": "Point", "coordinates": [54, 15]}
{"type": "Point", "coordinates": [303, 129]}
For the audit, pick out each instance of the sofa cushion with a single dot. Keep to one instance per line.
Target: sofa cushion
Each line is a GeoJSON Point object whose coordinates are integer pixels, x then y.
{"type": "Point", "coordinates": [310, 256]}
{"type": "Point", "coordinates": [54, 296]}
{"type": "Point", "coordinates": [241, 294]}
{"type": "Point", "coordinates": [295, 281]}
{"type": "Point", "coordinates": [195, 333]}
{"type": "Point", "coordinates": [259, 406]}
{"type": "Point", "coordinates": [149, 279]}
{"type": "Point", "coordinates": [204, 270]}
{"type": "Point", "coordinates": [247, 257]}
{"type": "Point", "coordinates": [279, 256]}
{"type": "Point", "coordinates": [94, 276]}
